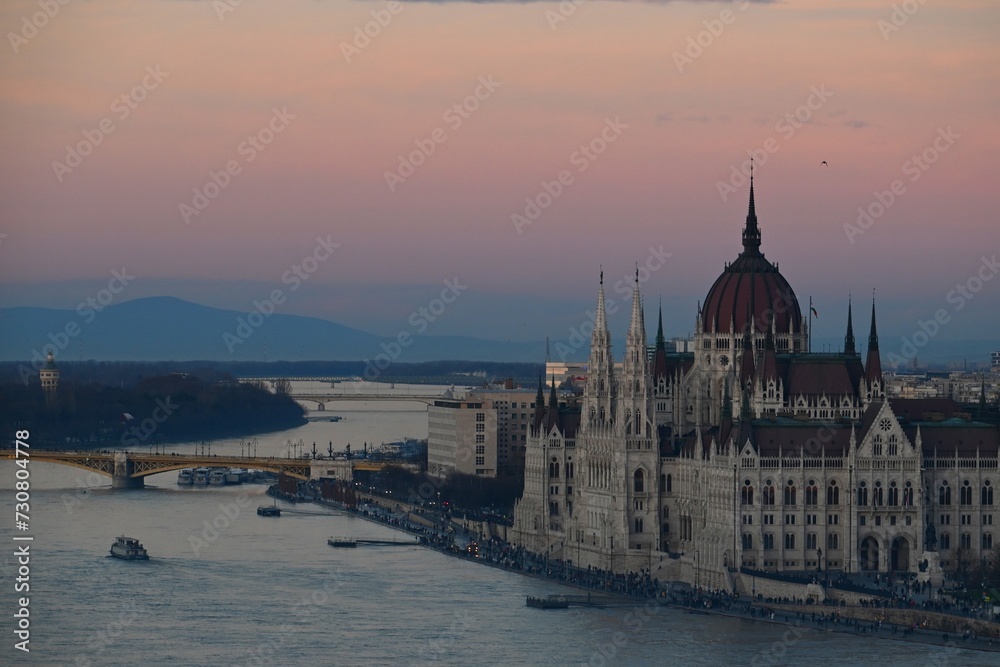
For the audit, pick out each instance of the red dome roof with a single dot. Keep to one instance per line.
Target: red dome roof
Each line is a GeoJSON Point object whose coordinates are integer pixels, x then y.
{"type": "Point", "coordinates": [751, 286]}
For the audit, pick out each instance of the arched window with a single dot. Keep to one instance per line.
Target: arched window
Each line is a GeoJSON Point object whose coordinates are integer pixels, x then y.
{"type": "Point", "coordinates": [877, 445]}
{"type": "Point", "coordinates": [863, 493]}
{"type": "Point", "coordinates": [893, 494]}
{"type": "Point", "coordinates": [768, 541]}
{"type": "Point", "coordinates": [987, 541]}
{"type": "Point", "coordinates": [812, 493]}
{"type": "Point", "coordinates": [877, 499]}
{"type": "Point", "coordinates": [908, 494]}
{"type": "Point", "coordinates": [767, 497]}
{"type": "Point", "coordinates": [945, 541]}
{"type": "Point", "coordinates": [670, 482]}
{"type": "Point", "coordinates": [789, 540]}
{"type": "Point", "coordinates": [663, 482]}
{"type": "Point", "coordinates": [987, 493]}
{"type": "Point", "coordinates": [747, 542]}
{"type": "Point", "coordinates": [638, 525]}
{"type": "Point", "coordinates": [638, 483]}
{"type": "Point", "coordinates": [833, 541]}
{"type": "Point", "coordinates": [833, 493]}
{"type": "Point", "coordinates": [965, 493]}
{"type": "Point", "coordinates": [944, 494]}
{"type": "Point", "coordinates": [811, 541]}
{"type": "Point", "coordinates": [746, 494]}
{"type": "Point", "coordinates": [893, 445]}
{"type": "Point", "coordinates": [965, 541]}
{"type": "Point", "coordinates": [789, 493]}
{"type": "Point", "coordinates": [553, 468]}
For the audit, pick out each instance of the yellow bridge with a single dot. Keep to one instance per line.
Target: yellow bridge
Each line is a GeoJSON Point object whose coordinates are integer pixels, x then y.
{"type": "Point", "coordinates": [128, 470]}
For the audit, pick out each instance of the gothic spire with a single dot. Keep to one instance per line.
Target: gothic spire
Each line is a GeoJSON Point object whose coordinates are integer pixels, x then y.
{"type": "Point", "coordinates": [751, 233]}
{"type": "Point", "coordinates": [661, 343]}
{"type": "Point", "coordinates": [873, 334]}
{"type": "Point", "coordinates": [849, 347]}
{"type": "Point", "coordinates": [873, 366]}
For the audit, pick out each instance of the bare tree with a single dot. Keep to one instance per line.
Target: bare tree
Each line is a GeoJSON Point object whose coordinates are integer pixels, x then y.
{"type": "Point", "coordinates": [282, 387]}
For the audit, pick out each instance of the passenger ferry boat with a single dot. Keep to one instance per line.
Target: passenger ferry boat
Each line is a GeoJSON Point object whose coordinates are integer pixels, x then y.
{"type": "Point", "coordinates": [201, 476]}
{"type": "Point", "coordinates": [217, 477]}
{"type": "Point", "coordinates": [186, 477]}
{"type": "Point", "coordinates": [128, 548]}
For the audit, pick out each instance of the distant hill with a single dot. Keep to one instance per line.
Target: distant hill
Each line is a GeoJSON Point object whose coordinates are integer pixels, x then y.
{"type": "Point", "coordinates": [167, 328]}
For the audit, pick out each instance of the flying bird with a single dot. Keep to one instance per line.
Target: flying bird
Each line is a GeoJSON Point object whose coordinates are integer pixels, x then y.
{"type": "Point", "coordinates": [824, 163]}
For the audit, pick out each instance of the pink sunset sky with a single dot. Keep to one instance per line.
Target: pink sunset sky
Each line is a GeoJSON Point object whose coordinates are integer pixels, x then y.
{"type": "Point", "coordinates": [918, 84]}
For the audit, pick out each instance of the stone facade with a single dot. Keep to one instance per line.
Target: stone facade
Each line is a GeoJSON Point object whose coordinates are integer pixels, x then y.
{"type": "Point", "coordinates": [753, 451]}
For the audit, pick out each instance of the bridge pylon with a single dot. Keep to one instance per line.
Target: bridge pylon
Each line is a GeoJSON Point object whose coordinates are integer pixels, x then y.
{"type": "Point", "coordinates": [124, 468]}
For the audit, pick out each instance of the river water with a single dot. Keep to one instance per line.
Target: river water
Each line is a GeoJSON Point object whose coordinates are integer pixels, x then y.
{"type": "Point", "coordinates": [227, 587]}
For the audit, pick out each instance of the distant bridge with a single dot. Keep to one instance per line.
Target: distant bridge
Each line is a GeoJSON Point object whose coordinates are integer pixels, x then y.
{"type": "Point", "coordinates": [321, 399]}
{"type": "Point", "coordinates": [128, 470]}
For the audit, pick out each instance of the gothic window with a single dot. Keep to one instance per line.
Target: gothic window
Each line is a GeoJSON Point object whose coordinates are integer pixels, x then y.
{"type": "Point", "coordinates": [768, 493]}
{"type": "Point", "coordinates": [746, 494]}
{"type": "Point", "coordinates": [789, 498]}
{"type": "Point", "coordinates": [965, 541]}
{"type": "Point", "coordinates": [812, 493]}
{"type": "Point", "coordinates": [569, 470]}
{"type": "Point", "coordinates": [893, 494]}
{"type": "Point", "coordinates": [811, 541]}
{"type": "Point", "coordinates": [832, 541]}
{"type": "Point", "coordinates": [877, 445]}
{"type": "Point", "coordinates": [768, 541]}
{"type": "Point", "coordinates": [987, 541]}
{"type": "Point", "coordinates": [945, 541]}
{"type": "Point", "coordinates": [877, 497]}
{"type": "Point", "coordinates": [833, 493]}
{"type": "Point", "coordinates": [944, 494]}
{"type": "Point", "coordinates": [663, 482]}
{"type": "Point", "coordinates": [747, 542]}
{"type": "Point", "coordinates": [965, 493]}
{"type": "Point", "coordinates": [987, 493]}
{"type": "Point", "coordinates": [789, 540]}
{"type": "Point", "coordinates": [908, 494]}
{"type": "Point", "coordinates": [638, 482]}
{"type": "Point", "coordinates": [554, 468]}
{"type": "Point", "coordinates": [863, 493]}
{"type": "Point", "coordinates": [669, 482]}
{"type": "Point", "coordinates": [893, 445]}
{"type": "Point", "coordinates": [638, 525]}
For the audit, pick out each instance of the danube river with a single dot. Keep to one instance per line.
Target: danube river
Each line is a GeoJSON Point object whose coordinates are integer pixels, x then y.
{"type": "Point", "coordinates": [264, 591]}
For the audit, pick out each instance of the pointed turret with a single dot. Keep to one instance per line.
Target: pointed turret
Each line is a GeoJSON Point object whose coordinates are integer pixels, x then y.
{"type": "Point", "coordinates": [539, 416]}
{"type": "Point", "coordinates": [598, 397]}
{"type": "Point", "coordinates": [873, 367]}
{"type": "Point", "coordinates": [751, 233]}
{"type": "Point", "coordinates": [660, 354]}
{"type": "Point", "coordinates": [552, 418]}
{"type": "Point", "coordinates": [635, 390]}
{"type": "Point", "coordinates": [849, 346]}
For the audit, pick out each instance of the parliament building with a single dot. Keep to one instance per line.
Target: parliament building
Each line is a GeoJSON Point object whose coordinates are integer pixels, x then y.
{"type": "Point", "coordinates": [752, 450]}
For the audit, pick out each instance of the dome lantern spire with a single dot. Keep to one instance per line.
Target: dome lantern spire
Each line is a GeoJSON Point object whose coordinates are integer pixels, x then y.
{"type": "Point", "coordinates": [751, 233]}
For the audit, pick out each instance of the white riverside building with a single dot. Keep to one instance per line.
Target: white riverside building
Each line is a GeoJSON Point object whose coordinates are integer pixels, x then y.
{"type": "Point", "coordinates": [753, 451]}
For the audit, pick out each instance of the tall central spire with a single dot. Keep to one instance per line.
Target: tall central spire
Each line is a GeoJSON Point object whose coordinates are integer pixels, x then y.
{"type": "Point", "coordinates": [751, 233]}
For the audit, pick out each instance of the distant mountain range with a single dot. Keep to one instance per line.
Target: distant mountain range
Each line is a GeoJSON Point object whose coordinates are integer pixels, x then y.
{"type": "Point", "coordinates": [170, 329]}
{"type": "Point", "coordinates": [167, 328]}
